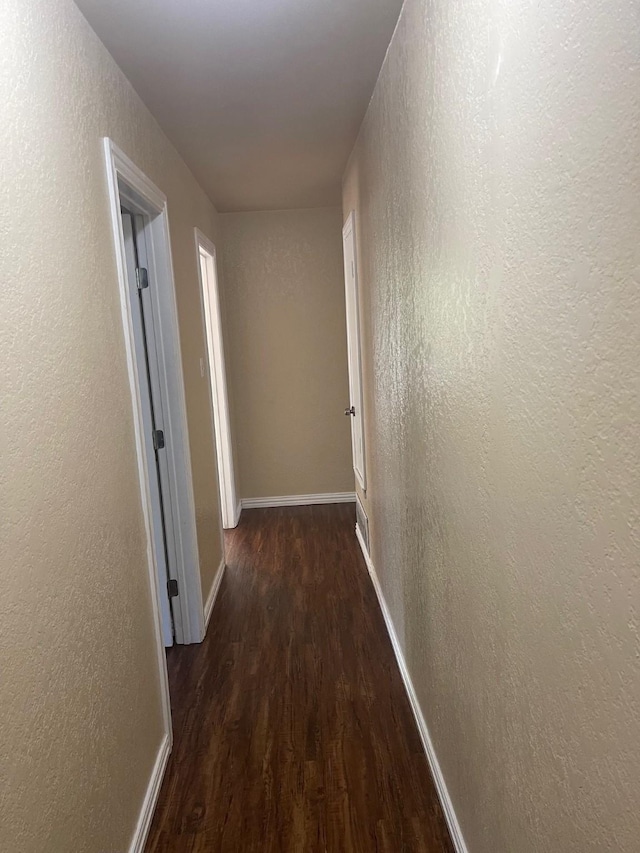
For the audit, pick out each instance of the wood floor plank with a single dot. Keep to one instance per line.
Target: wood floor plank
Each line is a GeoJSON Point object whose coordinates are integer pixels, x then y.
{"type": "Point", "coordinates": [292, 730]}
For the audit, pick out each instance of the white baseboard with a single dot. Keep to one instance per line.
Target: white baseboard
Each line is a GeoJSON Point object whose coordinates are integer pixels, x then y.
{"type": "Point", "coordinates": [238, 512]}
{"type": "Point", "coordinates": [151, 798]}
{"type": "Point", "coordinates": [213, 592]}
{"type": "Point", "coordinates": [300, 500]}
{"type": "Point", "coordinates": [436, 772]}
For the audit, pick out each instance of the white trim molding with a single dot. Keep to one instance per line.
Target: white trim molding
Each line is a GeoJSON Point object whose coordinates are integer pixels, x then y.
{"type": "Point", "coordinates": [300, 500]}
{"type": "Point", "coordinates": [217, 376]}
{"type": "Point", "coordinates": [213, 594]}
{"type": "Point", "coordinates": [432, 758]}
{"type": "Point", "coordinates": [151, 798]}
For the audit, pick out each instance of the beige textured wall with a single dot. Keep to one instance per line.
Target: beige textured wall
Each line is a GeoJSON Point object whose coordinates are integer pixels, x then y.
{"type": "Point", "coordinates": [80, 717]}
{"type": "Point", "coordinates": [496, 180]}
{"type": "Point", "coordinates": [286, 351]}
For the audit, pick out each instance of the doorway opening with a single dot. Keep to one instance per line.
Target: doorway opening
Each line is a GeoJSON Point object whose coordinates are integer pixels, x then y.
{"type": "Point", "coordinates": [134, 225]}
{"type": "Point", "coordinates": [149, 314]}
{"type": "Point", "coordinates": [230, 508]}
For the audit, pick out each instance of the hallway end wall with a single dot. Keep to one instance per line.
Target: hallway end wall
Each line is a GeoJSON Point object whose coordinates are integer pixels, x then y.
{"type": "Point", "coordinates": [286, 354]}
{"type": "Point", "coordinates": [495, 182]}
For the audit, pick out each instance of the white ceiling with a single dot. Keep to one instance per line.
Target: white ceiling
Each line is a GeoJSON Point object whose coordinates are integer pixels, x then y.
{"type": "Point", "coordinates": [263, 98]}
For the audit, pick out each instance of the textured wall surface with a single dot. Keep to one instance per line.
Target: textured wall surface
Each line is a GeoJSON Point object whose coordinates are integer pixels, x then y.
{"type": "Point", "coordinates": [80, 717]}
{"type": "Point", "coordinates": [286, 351]}
{"type": "Point", "coordinates": [496, 182]}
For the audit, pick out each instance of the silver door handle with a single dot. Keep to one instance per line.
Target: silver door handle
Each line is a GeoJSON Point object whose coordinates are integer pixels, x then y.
{"type": "Point", "coordinates": [350, 411]}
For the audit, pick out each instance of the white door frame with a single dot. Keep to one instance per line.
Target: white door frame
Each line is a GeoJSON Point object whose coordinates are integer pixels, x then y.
{"type": "Point", "coordinates": [218, 397]}
{"type": "Point", "coordinates": [124, 175]}
{"type": "Point", "coordinates": [353, 350]}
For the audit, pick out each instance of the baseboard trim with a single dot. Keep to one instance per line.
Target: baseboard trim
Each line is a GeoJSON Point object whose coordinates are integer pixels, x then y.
{"type": "Point", "coordinates": [213, 594]}
{"type": "Point", "coordinates": [238, 513]}
{"type": "Point", "coordinates": [299, 500]}
{"type": "Point", "coordinates": [436, 772]}
{"type": "Point", "coordinates": [151, 797]}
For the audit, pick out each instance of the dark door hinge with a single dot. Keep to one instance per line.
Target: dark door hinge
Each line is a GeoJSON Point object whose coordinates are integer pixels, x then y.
{"type": "Point", "coordinates": [158, 439]}
{"type": "Point", "coordinates": [142, 278]}
{"type": "Point", "coordinates": [172, 588]}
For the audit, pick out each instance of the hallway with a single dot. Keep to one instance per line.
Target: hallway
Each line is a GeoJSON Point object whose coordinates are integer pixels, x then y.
{"type": "Point", "coordinates": [292, 728]}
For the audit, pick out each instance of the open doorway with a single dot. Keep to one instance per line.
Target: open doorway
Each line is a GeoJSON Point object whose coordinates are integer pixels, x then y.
{"type": "Point", "coordinates": [229, 505]}
{"type": "Point", "coordinates": [134, 225]}
{"type": "Point", "coordinates": [150, 322]}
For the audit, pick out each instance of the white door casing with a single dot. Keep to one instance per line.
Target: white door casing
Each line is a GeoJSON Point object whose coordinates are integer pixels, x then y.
{"type": "Point", "coordinates": [217, 379]}
{"type": "Point", "coordinates": [129, 186]}
{"type": "Point", "coordinates": [353, 349]}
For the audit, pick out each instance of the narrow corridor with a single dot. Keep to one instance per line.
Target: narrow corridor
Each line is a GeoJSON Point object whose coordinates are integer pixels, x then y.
{"type": "Point", "coordinates": [292, 730]}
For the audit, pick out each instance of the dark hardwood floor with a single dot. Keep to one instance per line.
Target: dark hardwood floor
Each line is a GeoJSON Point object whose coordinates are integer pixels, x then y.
{"type": "Point", "coordinates": [292, 728]}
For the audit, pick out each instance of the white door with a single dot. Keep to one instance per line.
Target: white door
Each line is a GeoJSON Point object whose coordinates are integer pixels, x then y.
{"type": "Point", "coordinates": [152, 412]}
{"type": "Point", "coordinates": [355, 410]}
